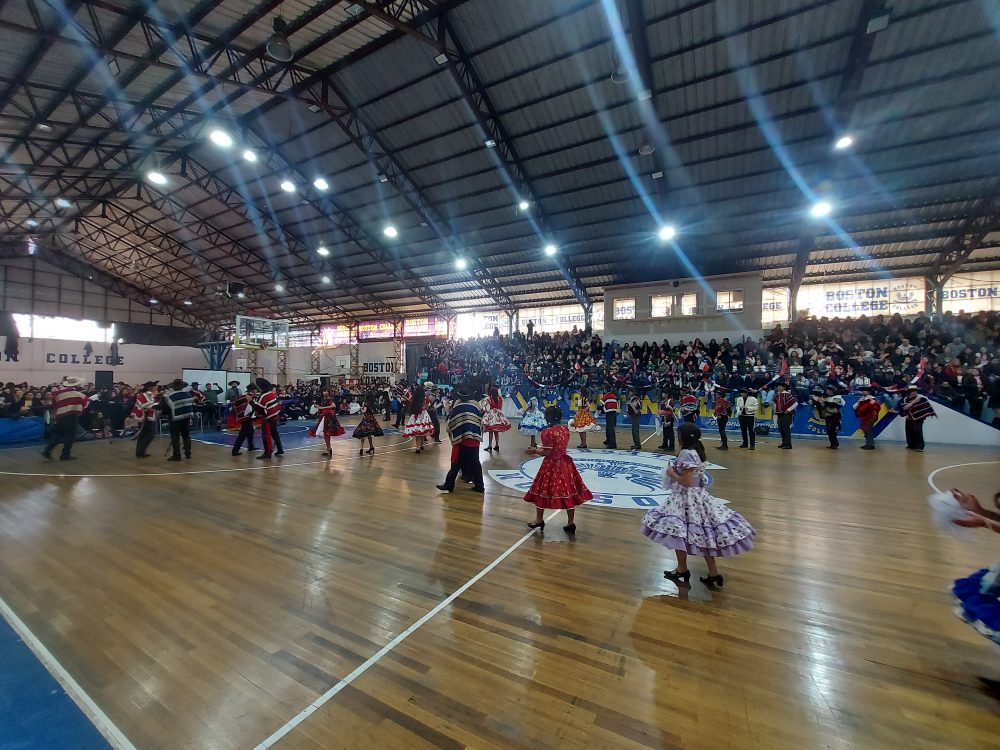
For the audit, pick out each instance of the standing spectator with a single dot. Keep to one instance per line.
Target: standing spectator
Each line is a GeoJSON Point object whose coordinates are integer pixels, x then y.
{"type": "Point", "coordinates": [634, 407]}
{"type": "Point", "coordinates": [68, 402]}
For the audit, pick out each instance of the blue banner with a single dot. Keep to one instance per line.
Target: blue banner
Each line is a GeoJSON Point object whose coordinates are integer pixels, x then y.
{"type": "Point", "coordinates": [22, 430]}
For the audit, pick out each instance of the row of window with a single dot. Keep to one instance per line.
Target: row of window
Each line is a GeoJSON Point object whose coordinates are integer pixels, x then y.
{"type": "Point", "coordinates": [680, 305]}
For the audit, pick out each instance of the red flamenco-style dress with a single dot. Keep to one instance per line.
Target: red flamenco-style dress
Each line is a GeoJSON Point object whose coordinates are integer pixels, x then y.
{"type": "Point", "coordinates": [558, 484]}
{"type": "Point", "coordinates": [327, 424]}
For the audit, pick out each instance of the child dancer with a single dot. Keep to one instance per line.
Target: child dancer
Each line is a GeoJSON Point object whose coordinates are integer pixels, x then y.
{"type": "Point", "coordinates": [368, 427]}
{"type": "Point", "coordinates": [691, 521]}
{"type": "Point", "coordinates": [494, 422]}
{"type": "Point", "coordinates": [583, 421]}
{"type": "Point", "coordinates": [418, 421]}
{"type": "Point", "coordinates": [327, 424]}
{"type": "Point", "coordinates": [558, 484]}
{"type": "Point", "coordinates": [532, 420]}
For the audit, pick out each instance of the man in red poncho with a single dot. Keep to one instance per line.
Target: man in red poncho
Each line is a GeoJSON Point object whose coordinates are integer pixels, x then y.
{"type": "Point", "coordinates": [867, 409]}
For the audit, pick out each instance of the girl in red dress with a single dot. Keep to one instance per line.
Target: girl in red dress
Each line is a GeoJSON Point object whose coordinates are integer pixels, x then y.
{"type": "Point", "coordinates": [494, 421]}
{"type": "Point", "coordinates": [558, 484]}
{"type": "Point", "coordinates": [327, 425]}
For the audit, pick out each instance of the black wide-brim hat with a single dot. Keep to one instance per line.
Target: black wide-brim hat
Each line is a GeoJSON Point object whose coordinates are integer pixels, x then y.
{"type": "Point", "coordinates": [234, 382]}
{"type": "Point", "coordinates": [263, 383]}
{"type": "Point", "coordinates": [150, 384]}
{"type": "Point", "coordinates": [689, 428]}
{"type": "Point", "coordinates": [178, 384]}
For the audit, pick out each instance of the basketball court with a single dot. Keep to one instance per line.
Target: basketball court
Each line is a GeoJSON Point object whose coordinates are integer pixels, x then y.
{"type": "Point", "coordinates": [312, 603]}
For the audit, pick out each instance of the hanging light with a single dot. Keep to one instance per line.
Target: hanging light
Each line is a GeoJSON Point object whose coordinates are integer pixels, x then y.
{"type": "Point", "coordinates": [523, 205]}
{"type": "Point", "coordinates": [621, 73]}
{"type": "Point", "coordinates": [460, 264]}
{"type": "Point", "coordinates": [322, 250]}
{"type": "Point", "coordinates": [821, 209]}
{"type": "Point", "coordinates": [646, 148]}
{"type": "Point", "coordinates": [390, 231]}
{"type": "Point", "coordinates": [288, 186]}
{"type": "Point", "coordinates": [250, 155]}
{"type": "Point", "coordinates": [667, 232]}
{"type": "Point", "coordinates": [320, 184]}
{"type": "Point", "coordinates": [550, 250]}
{"type": "Point", "coordinates": [278, 47]}
{"type": "Point", "coordinates": [844, 142]}
{"type": "Point", "coordinates": [221, 138]}
{"type": "Point", "coordinates": [156, 177]}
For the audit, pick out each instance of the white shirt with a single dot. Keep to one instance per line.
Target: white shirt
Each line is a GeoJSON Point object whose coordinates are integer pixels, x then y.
{"type": "Point", "coordinates": [746, 407]}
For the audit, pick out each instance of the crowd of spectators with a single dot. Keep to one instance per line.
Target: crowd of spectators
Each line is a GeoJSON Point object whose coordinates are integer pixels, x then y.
{"type": "Point", "coordinates": [954, 359]}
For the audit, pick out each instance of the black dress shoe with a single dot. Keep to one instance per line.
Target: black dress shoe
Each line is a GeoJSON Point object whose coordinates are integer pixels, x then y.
{"type": "Point", "coordinates": [279, 453]}
{"type": "Point", "coordinates": [444, 488]}
{"type": "Point", "coordinates": [539, 525]}
{"type": "Point", "coordinates": [570, 529]}
{"type": "Point", "coordinates": [264, 457]}
{"type": "Point", "coordinates": [47, 456]}
{"type": "Point", "coordinates": [67, 458]}
{"type": "Point", "coordinates": [239, 453]}
{"type": "Point", "coordinates": [678, 577]}
{"type": "Point", "coordinates": [479, 489]}
{"type": "Point", "coordinates": [175, 458]}
{"type": "Point", "coordinates": [723, 447]}
{"type": "Point", "coordinates": [712, 581]}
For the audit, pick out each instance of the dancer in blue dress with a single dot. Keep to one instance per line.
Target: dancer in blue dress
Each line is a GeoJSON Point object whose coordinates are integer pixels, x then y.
{"type": "Point", "coordinates": [532, 421]}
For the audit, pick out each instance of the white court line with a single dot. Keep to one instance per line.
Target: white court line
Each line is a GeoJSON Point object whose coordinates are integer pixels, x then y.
{"type": "Point", "coordinates": [200, 471]}
{"type": "Point", "coordinates": [374, 658]}
{"type": "Point", "coordinates": [930, 477]}
{"type": "Point", "coordinates": [86, 704]}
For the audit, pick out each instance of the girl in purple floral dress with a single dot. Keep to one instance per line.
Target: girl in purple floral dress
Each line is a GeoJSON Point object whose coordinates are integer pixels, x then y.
{"type": "Point", "coordinates": [691, 521]}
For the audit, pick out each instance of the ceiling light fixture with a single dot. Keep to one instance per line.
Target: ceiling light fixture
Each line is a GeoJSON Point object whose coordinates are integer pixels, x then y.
{"type": "Point", "coordinates": [646, 148]}
{"type": "Point", "coordinates": [188, 302]}
{"type": "Point", "coordinates": [821, 209]}
{"type": "Point", "coordinates": [62, 203]}
{"type": "Point", "coordinates": [314, 108]}
{"type": "Point", "coordinates": [278, 47]}
{"type": "Point", "coordinates": [620, 74]}
{"type": "Point", "coordinates": [241, 295]}
{"type": "Point", "coordinates": [461, 263]}
{"type": "Point", "coordinates": [320, 184]}
{"type": "Point", "coordinates": [279, 288]}
{"type": "Point", "coordinates": [221, 138]}
{"type": "Point", "coordinates": [322, 250]}
{"type": "Point", "coordinates": [441, 59]}
{"type": "Point", "coordinates": [43, 126]}
{"type": "Point", "coordinates": [390, 231]}
{"type": "Point", "coordinates": [667, 233]}
{"type": "Point", "coordinates": [326, 279]}
{"type": "Point", "coordinates": [550, 250]}
{"type": "Point", "coordinates": [249, 155]}
{"type": "Point", "coordinates": [490, 143]}
{"type": "Point", "coordinates": [523, 205]}
{"type": "Point", "coordinates": [32, 223]}
{"type": "Point", "coordinates": [844, 142]}
{"type": "Point", "coordinates": [154, 301]}
{"type": "Point", "coordinates": [156, 177]}
{"type": "Point", "coordinates": [288, 186]}
{"type": "Point", "coordinates": [383, 178]}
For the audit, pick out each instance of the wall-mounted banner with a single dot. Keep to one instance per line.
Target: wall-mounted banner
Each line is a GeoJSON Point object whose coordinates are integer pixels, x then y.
{"type": "Point", "coordinates": [383, 369]}
{"type": "Point", "coordinates": [854, 299]}
{"type": "Point", "coordinates": [335, 334]}
{"type": "Point", "coordinates": [423, 327]}
{"type": "Point", "coordinates": [371, 330]}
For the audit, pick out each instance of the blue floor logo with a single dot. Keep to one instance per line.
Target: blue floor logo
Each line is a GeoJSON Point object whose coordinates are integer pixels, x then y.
{"type": "Point", "coordinates": [618, 479]}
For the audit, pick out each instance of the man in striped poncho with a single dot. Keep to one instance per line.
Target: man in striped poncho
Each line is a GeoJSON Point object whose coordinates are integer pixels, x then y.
{"type": "Point", "coordinates": [465, 428]}
{"type": "Point", "coordinates": [915, 409]}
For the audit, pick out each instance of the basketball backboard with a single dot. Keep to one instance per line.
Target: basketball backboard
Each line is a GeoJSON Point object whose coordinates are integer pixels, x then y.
{"type": "Point", "coordinates": [260, 333]}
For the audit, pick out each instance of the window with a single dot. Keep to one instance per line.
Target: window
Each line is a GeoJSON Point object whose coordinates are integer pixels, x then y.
{"type": "Point", "coordinates": [774, 306]}
{"type": "Point", "coordinates": [729, 301]}
{"type": "Point", "coordinates": [662, 305]}
{"type": "Point", "coordinates": [689, 304]}
{"type": "Point", "coordinates": [69, 329]}
{"type": "Point", "coordinates": [624, 308]}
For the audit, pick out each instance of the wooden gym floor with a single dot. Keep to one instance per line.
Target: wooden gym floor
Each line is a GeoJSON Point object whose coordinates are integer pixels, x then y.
{"type": "Point", "coordinates": [208, 604]}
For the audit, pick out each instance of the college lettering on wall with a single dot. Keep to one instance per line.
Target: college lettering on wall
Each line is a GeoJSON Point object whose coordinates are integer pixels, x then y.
{"type": "Point", "coordinates": [877, 297]}
{"type": "Point", "coordinates": [335, 334]}
{"type": "Point", "coordinates": [54, 358]}
{"type": "Point", "coordinates": [373, 372]}
{"type": "Point", "coordinates": [428, 326]}
{"type": "Point", "coordinates": [371, 330]}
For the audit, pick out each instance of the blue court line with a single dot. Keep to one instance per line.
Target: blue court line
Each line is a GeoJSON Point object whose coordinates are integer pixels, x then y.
{"type": "Point", "coordinates": [35, 712]}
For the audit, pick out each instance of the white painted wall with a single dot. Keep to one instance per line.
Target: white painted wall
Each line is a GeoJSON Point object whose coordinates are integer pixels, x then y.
{"type": "Point", "coordinates": [712, 325]}
{"type": "Point", "coordinates": [44, 361]}
{"type": "Point", "coordinates": [948, 428]}
{"type": "Point", "coordinates": [333, 362]}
